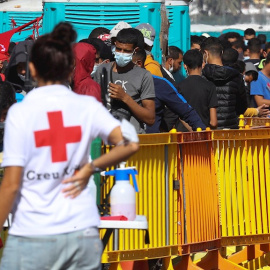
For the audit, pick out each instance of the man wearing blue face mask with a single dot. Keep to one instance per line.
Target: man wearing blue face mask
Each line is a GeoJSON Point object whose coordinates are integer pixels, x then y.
{"type": "Point", "coordinates": [131, 88]}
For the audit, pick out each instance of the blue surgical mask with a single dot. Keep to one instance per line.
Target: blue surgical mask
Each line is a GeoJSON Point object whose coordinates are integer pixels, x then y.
{"type": "Point", "coordinates": [94, 70]}
{"type": "Point", "coordinates": [246, 42]}
{"type": "Point", "coordinates": [123, 59]}
{"type": "Point", "coordinates": [246, 57]}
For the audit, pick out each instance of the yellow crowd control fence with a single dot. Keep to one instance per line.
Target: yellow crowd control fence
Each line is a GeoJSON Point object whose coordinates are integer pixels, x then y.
{"type": "Point", "coordinates": [200, 191]}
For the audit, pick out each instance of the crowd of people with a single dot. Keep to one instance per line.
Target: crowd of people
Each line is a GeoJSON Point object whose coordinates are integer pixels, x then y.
{"type": "Point", "coordinates": [49, 131]}
{"type": "Point", "coordinates": [225, 77]}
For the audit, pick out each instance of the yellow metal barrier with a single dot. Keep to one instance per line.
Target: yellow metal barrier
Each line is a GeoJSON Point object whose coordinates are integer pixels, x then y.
{"type": "Point", "coordinates": [243, 169]}
{"type": "Point", "coordinates": [200, 200]}
{"type": "Point", "coordinates": [156, 163]}
{"type": "Point", "coordinates": [253, 122]}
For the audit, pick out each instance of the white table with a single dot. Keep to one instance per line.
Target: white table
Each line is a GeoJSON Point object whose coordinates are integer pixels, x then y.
{"type": "Point", "coordinates": [113, 226]}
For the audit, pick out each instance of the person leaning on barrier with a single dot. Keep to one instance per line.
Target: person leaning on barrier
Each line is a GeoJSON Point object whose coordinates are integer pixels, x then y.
{"type": "Point", "coordinates": [229, 84]}
{"type": "Point", "coordinates": [260, 89]}
{"type": "Point", "coordinates": [199, 92]}
{"type": "Point", "coordinates": [131, 88]}
{"type": "Point", "coordinates": [167, 95]}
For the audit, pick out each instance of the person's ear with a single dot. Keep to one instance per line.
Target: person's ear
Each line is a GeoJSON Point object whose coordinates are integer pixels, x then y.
{"type": "Point", "coordinates": [136, 49]}
{"type": "Point", "coordinates": [185, 67]}
{"type": "Point", "coordinates": [140, 63]}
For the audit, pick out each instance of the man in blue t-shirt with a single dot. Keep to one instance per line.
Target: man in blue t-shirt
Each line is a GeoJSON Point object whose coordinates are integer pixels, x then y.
{"type": "Point", "coordinates": [260, 89]}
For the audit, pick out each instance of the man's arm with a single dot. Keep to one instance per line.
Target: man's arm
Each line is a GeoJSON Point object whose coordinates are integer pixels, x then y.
{"type": "Point", "coordinates": [213, 118]}
{"type": "Point", "coordinates": [145, 113]}
{"type": "Point", "coordinates": [241, 98]}
{"type": "Point", "coordinates": [8, 191]}
{"type": "Point", "coordinates": [260, 100]}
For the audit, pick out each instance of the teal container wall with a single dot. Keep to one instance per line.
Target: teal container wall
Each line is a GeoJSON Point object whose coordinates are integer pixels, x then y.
{"type": "Point", "coordinates": [87, 16]}
{"type": "Point", "coordinates": [179, 32]}
{"type": "Point", "coordinates": [20, 18]}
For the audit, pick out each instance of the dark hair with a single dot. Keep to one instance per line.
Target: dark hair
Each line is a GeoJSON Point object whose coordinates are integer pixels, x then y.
{"type": "Point", "coordinates": [254, 45]}
{"type": "Point", "coordinates": [229, 56]}
{"type": "Point", "coordinates": [262, 38]}
{"type": "Point", "coordinates": [232, 35]}
{"type": "Point", "coordinates": [239, 43]}
{"type": "Point", "coordinates": [140, 54]}
{"type": "Point", "coordinates": [267, 60]}
{"type": "Point", "coordinates": [174, 52]}
{"type": "Point", "coordinates": [225, 44]}
{"type": "Point", "coordinates": [267, 46]}
{"type": "Point", "coordinates": [140, 38]}
{"type": "Point", "coordinates": [99, 31]}
{"type": "Point", "coordinates": [52, 54]}
{"type": "Point", "coordinates": [239, 65]}
{"type": "Point", "coordinates": [254, 74]}
{"type": "Point", "coordinates": [129, 36]}
{"type": "Point", "coordinates": [193, 59]}
{"type": "Point", "coordinates": [7, 95]}
{"type": "Point", "coordinates": [101, 48]}
{"type": "Point", "coordinates": [249, 32]}
{"type": "Point", "coordinates": [195, 40]}
{"type": "Point", "coordinates": [212, 45]}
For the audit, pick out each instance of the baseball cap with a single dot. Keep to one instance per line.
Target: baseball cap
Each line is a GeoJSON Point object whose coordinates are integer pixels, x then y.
{"type": "Point", "coordinates": [148, 32]}
{"type": "Point", "coordinates": [250, 67]}
{"type": "Point", "coordinates": [118, 27]}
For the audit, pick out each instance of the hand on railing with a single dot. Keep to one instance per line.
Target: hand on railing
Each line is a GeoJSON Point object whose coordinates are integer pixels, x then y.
{"type": "Point", "coordinates": [263, 111]}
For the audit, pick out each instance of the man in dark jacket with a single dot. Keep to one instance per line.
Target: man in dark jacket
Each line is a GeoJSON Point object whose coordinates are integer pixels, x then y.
{"type": "Point", "coordinates": [229, 84]}
{"type": "Point", "coordinates": [16, 72]}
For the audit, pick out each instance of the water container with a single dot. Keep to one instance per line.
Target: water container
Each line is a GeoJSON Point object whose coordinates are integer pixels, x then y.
{"type": "Point", "coordinates": [123, 200]}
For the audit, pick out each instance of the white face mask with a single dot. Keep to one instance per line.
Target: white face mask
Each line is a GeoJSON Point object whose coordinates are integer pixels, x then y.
{"type": "Point", "coordinates": [22, 77]}
{"type": "Point", "coordinates": [171, 68]}
{"type": "Point", "coordinates": [246, 57]}
{"type": "Point", "coordinates": [147, 52]}
{"type": "Point", "coordinates": [95, 68]}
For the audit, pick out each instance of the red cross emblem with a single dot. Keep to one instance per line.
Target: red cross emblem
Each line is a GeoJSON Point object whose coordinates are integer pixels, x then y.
{"type": "Point", "coordinates": [57, 136]}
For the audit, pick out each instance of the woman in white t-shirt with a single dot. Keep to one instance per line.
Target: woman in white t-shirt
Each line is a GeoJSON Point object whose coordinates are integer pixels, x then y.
{"type": "Point", "coordinates": [46, 145]}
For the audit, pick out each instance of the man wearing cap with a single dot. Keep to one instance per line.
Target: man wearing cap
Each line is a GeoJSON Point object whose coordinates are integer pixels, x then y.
{"type": "Point", "coordinates": [251, 74]}
{"type": "Point", "coordinates": [113, 33]}
{"type": "Point", "coordinates": [149, 34]}
{"type": "Point", "coordinates": [260, 89]}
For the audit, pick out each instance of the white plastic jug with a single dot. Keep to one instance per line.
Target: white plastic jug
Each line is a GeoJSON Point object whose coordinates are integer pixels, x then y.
{"type": "Point", "coordinates": [123, 200]}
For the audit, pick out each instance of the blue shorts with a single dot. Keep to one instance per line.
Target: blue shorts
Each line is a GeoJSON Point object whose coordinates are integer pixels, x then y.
{"type": "Point", "coordinates": [69, 251]}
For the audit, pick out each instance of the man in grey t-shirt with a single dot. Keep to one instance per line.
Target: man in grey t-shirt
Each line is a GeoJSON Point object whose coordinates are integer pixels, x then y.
{"type": "Point", "coordinates": [131, 88]}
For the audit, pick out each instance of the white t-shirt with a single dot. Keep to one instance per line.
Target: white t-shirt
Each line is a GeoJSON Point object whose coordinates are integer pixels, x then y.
{"type": "Point", "coordinates": [49, 134]}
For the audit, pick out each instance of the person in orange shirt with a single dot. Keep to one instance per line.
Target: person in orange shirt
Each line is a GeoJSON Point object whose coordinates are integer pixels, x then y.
{"type": "Point", "coordinates": [149, 34]}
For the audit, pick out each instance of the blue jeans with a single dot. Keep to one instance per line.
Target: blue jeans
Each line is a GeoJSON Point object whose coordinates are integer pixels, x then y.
{"type": "Point", "coordinates": [80, 250]}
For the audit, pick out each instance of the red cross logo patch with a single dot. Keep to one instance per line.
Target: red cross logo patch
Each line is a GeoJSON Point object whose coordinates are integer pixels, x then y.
{"type": "Point", "coordinates": [57, 136]}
